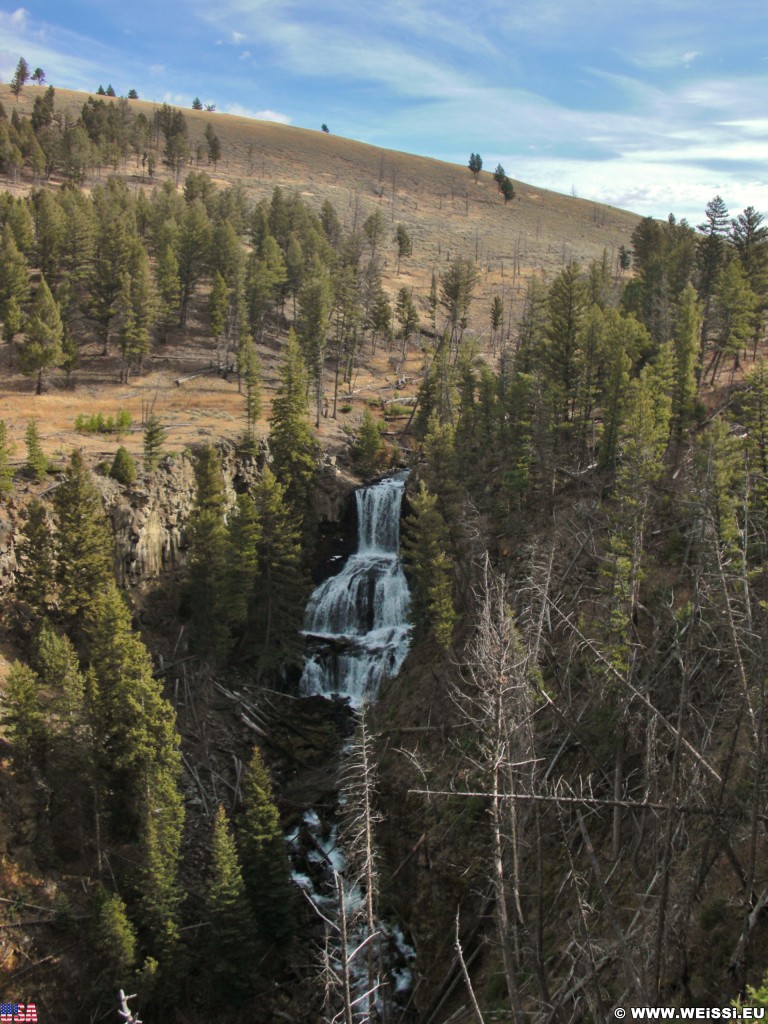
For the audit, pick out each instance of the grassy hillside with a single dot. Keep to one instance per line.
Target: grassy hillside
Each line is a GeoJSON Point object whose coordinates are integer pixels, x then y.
{"type": "Point", "coordinates": [445, 211]}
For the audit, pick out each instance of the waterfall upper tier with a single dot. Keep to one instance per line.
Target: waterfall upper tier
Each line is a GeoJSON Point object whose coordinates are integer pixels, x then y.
{"type": "Point", "coordinates": [357, 621]}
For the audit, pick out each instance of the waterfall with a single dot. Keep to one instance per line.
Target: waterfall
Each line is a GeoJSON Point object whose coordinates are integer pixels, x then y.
{"type": "Point", "coordinates": [356, 624]}
{"type": "Point", "coordinates": [357, 621]}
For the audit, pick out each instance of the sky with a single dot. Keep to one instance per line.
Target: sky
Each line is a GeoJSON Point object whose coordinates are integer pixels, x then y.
{"type": "Point", "coordinates": [655, 106]}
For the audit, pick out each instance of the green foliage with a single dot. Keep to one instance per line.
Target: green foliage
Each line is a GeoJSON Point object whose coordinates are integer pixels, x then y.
{"type": "Point", "coordinates": [84, 547]}
{"type": "Point", "coordinates": [123, 467]}
{"type": "Point", "coordinates": [424, 547]}
{"type": "Point", "coordinates": [114, 939]}
{"type": "Point", "coordinates": [20, 77]}
{"type": "Point", "coordinates": [42, 347]}
{"type": "Point", "coordinates": [37, 460]}
{"type": "Point", "coordinates": [475, 164]}
{"type": "Point", "coordinates": [403, 244]}
{"type": "Point", "coordinates": [35, 578]}
{"type": "Point", "coordinates": [230, 940]}
{"type": "Point", "coordinates": [154, 439]}
{"type": "Point", "coordinates": [264, 857]}
{"type": "Point", "coordinates": [98, 423]}
{"type": "Point", "coordinates": [368, 445]}
{"type": "Point", "coordinates": [208, 563]}
{"type": "Point", "coordinates": [277, 603]}
{"type": "Point", "coordinates": [24, 716]}
{"type": "Point", "coordinates": [294, 449]}
{"type": "Point", "coordinates": [6, 470]}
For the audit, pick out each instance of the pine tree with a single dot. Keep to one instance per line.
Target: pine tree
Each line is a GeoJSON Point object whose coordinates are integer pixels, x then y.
{"type": "Point", "coordinates": [37, 460]}
{"type": "Point", "coordinates": [6, 470]}
{"type": "Point", "coordinates": [686, 352]}
{"type": "Point", "coordinates": [14, 286]}
{"type": "Point", "coordinates": [123, 467]}
{"type": "Point", "coordinates": [140, 761]}
{"type": "Point", "coordinates": [244, 534]}
{"type": "Point", "coordinates": [193, 251]}
{"type": "Point", "coordinates": [24, 715]}
{"type": "Point", "coordinates": [403, 244]}
{"type": "Point", "coordinates": [84, 546]}
{"type": "Point", "coordinates": [277, 609]}
{"type": "Point", "coordinates": [294, 449]}
{"type": "Point", "coordinates": [114, 939]}
{"type": "Point", "coordinates": [249, 369]}
{"type": "Point", "coordinates": [207, 586]}
{"type": "Point", "coordinates": [425, 542]}
{"type": "Point", "coordinates": [20, 78]}
{"type": "Point", "coordinates": [169, 290]}
{"type": "Point", "coordinates": [264, 858]}
{"type": "Point", "coordinates": [36, 574]}
{"type": "Point", "coordinates": [315, 307]}
{"type": "Point", "coordinates": [154, 438]}
{"type": "Point", "coordinates": [230, 937]}
{"type": "Point", "coordinates": [42, 348]}
{"type": "Point", "coordinates": [368, 445]}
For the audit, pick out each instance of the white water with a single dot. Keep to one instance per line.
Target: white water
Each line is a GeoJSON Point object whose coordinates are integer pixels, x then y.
{"type": "Point", "coordinates": [357, 621]}
{"type": "Point", "coordinates": [357, 627]}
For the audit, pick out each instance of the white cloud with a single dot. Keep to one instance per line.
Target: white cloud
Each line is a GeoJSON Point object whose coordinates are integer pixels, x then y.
{"type": "Point", "coordinates": [260, 115]}
{"type": "Point", "coordinates": [238, 37]}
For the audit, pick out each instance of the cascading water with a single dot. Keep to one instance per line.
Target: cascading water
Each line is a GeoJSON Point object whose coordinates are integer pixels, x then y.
{"type": "Point", "coordinates": [357, 621]}
{"type": "Point", "coordinates": [358, 633]}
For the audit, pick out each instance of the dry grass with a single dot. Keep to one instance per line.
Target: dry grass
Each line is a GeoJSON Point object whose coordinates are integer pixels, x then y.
{"type": "Point", "coordinates": [444, 210]}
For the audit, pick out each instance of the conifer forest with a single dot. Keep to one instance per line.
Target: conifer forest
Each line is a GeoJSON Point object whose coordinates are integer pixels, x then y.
{"type": "Point", "coordinates": [439, 702]}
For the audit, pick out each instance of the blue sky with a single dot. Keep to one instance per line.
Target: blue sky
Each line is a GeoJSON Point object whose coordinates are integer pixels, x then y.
{"type": "Point", "coordinates": [650, 105]}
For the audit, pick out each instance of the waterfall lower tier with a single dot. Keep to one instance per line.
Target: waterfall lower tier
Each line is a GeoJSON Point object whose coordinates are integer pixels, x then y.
{"type": "Point", "coordinates": [357, 622]}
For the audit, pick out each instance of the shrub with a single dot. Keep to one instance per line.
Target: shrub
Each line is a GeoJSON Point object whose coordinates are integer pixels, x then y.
{"type": "Point", "coordinates": [98, 423]}
{"type": "Point", "coordinates": [123, 467]}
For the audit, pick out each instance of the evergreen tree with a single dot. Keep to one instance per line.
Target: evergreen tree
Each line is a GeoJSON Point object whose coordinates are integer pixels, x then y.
{"type": "Point", "coordinates": [37, 460]}
{"type": "Point", "coordinates": [84, 547]}
{"type": "Point", "coordinates": [475, 164]}
{"type": "Point", "coordinates": [264, 858]}
{"type": "Point", "coordinates": [407, 317]}
{"type": "Point", "coordinates": [208, 562]}
{"type": "Point", "coordinates": [403, 244]}
{"type": "Point", "coordinates": [245, 532]}
{"type": "Point", "coordinates": [230, 938]}
{"type": "Point", "coordinates": [140, 760]}
{"type": "Point", "coordinates": [368, 445]}
{"type": "Point", "coordinates": [731, 317]}
{"type": "Point", "coordinates": [154, 438]}
{"type": "Point", "coordinates": [36, 573]}
{"type": "Point", "coordinates": [686, 352]}
{"type": "Point", "coordinates": [249, 368]}
{"type": "Point", "coordinates": [293, 447]}
{"type": "Point", "coordinates": [114, 940]}
{"type": "Point", "coordinates": [169, 290]}
{"type": "Point", "coordinates": [20, 77]}
{"type": "Point", "coordinates": [567, 308]}
{"type": "Point", "coordinates": [6, 470]}
{"type": "Point", "coordinates": [42, 347]}
{"type": "Point", "coordinates": [273, 632]}
{"type": "Point", "coordinates": [24, 716]}
{"type": "Point", "coordinates": [14, 286]}
{"type": "Point", "coordinates": [123, 467]}
{"type": "Point", "coordinates": [457, 287]}
{"type": "Point", "coordinates": [193, 252]}
{"type": "Point", "coordinates": [425, 542]}
{"type": "Point", "coordinates": [315, 306]}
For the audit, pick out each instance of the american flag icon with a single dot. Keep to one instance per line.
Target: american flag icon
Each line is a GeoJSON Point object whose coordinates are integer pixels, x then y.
{"type": "Point", "coordinates": [17, 1013]}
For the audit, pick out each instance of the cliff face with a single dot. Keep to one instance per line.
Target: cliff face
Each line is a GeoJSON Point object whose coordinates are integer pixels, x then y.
{"type": "Point", "coordinates": [149, 518]}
